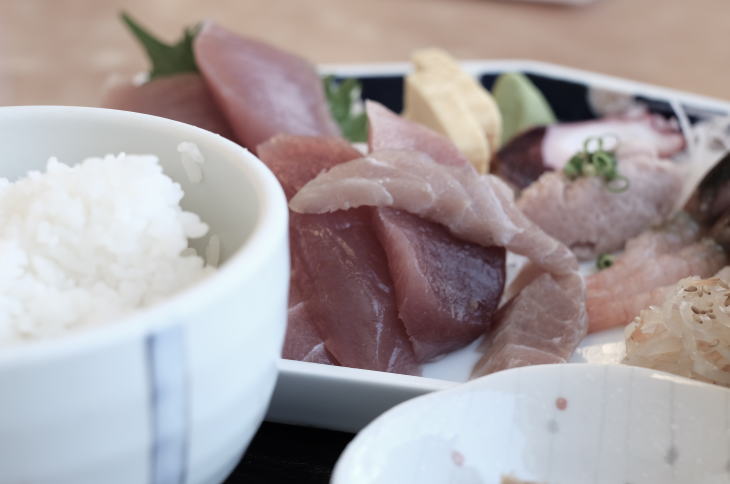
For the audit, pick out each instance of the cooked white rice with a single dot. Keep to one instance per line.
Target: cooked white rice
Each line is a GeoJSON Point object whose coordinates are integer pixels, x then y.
{"type": "Point", "coordinates": [82, 245]}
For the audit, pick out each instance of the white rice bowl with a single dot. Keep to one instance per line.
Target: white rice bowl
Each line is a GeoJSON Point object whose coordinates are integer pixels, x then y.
{"type": "Point", "coordinates": [166, 366]}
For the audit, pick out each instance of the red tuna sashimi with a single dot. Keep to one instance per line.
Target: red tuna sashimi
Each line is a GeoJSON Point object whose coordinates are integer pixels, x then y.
{"type": "Point", "coordinates": [654, 259]}
{"type": "Point", "coordinates": [303, 341]}
{"type": "Point", "coordinates": [263, 91]}
{"type": "Point", "coordinates": [388, 131]}
{"type": "Point", "coordinates": [182, 97]}
{"type": "Point", "coordinates": [447, 290]}
{"type": "Point", "coordinates": [591, 219]}
{"type": "Point", "coordinates": [352, 300]}
{"type": "Point", "coordinates": [478, 209]}
{"type": "Point", "coordinates": [338, 267]}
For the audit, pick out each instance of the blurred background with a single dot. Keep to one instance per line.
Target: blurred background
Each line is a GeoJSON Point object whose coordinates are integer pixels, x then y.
{"type": "Point", "coordinates": [65, 51]}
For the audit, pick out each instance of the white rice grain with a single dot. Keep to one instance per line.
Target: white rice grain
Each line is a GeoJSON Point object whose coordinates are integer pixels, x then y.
{"type": "Point", "coordinates": [192, 160]}
{"type": "Point", "coordinates": [213, 251]}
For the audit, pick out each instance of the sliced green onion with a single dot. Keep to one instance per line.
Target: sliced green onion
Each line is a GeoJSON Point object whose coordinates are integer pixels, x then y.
{"type": "Point", "coordinates": [604, 261]}
{"type": "Point", "coordinates": [594, 160]}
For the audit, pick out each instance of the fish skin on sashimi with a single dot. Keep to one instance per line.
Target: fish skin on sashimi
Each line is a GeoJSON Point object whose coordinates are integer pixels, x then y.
{"type": "Point", "coordinates": [447, 290]}
{"type": "Point", "coordinates": [337, 257]}
{"type": "Point", "coordinates": [181, 97]}
{"type": "Point", "coordinates": [263, 91]}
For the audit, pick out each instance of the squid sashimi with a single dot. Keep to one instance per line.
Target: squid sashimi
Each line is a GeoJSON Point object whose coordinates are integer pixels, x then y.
{"type": "Point", "coordinates": [654, 259]}
{"type": "Point", "coordinates": [263, 91]}
{"type": "Point", "coordinates": [182, 97]}
{"type": "Point", "coordinates": [590, 218]}
{"type": "Point", "coordinates": [339, 268]}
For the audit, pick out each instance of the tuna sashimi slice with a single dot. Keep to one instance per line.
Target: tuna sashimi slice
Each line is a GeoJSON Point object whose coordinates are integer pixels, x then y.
{"type": "Point", "coordinates": [388, 131]}
{"type": "Point", "coordinates": [338, 267]}
{"type": "Point", "coordinates": [589, 218]}
{"type": "Point", "coordinates": [655, 259]}
{"type": "Point", "coordinates": [182, 97]}
{"type": "Point", "coordinates": [546, 321]}
{"type": "Point", "coordinates": [303, 341]}
{"type": "Point", "coordinates": [478, 209]}
{"type": "Point", "coordinates": [295, 160]}
{"type": "Point", "coordinates": [351, 297]}
{"type": "Point", "coordinates": [263, 91]}
{"type": "Point", "coordinates": [447, 290]}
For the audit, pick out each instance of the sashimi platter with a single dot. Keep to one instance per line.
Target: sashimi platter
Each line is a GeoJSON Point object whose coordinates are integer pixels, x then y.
{"type": "Point", "coordinates": [451, 219]}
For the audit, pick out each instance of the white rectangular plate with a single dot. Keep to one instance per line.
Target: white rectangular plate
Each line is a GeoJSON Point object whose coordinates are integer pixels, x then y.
{"type": "Point", "coordinates": [347, 399]}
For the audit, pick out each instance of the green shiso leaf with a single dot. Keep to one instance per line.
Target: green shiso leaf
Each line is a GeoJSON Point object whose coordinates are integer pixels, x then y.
{"type": "Point", "coordinates": [521, 104]}
{"type": "Point", "coordinates": [166, 59]}
{"type": "Point", "coordinates": [343, 98]}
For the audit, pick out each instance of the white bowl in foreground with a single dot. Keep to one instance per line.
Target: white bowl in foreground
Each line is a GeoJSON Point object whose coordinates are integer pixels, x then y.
{"type": "Point", "coordinates": [567, 424]}
{"type": "Point", "coordinates": [172, 393]}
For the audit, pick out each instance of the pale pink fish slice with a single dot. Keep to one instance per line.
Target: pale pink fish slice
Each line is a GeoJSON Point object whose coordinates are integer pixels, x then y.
{"type": "Point", "coordinates": [591, 219]}
{"type": "Point", "coordinates": [640, 286]}
{"type": "Point", "coordinates": [182, 97]}
{"type": "Point", "coordinates": [262, 90]}
{"type": "Point", "coordinates": [544, 323]}
{"type": "Point", "coordinates": [388, 131]}
{"type": "Point", "coordinates": [479, 209]}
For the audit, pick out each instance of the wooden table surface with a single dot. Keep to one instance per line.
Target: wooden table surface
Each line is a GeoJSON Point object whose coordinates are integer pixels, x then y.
{"type": "Point", "coordinates": [63, 51]}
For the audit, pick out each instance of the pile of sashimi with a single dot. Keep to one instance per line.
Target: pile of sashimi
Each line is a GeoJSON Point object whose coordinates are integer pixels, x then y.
{"type": "Point", "coordinates": [471, 217]}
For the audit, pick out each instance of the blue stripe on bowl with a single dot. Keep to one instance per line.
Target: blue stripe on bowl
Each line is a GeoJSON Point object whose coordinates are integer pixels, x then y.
{"type": "Point", "coordinates": [168, 402]}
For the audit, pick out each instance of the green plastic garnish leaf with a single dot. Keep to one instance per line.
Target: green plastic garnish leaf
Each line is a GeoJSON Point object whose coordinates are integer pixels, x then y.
{"type": "Point", "coordinates": [343, 98]}
{"type": "Point", "coordinates": [166, 59]}
{"type": "Point", "coordinates": [594, 160]}
{"type": "Point", "coordinates": [604, 261]}
{"type": "Point", "coordinates": [521, 104]}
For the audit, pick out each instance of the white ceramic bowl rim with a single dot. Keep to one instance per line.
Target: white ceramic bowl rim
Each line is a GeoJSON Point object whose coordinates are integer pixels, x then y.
{"type": "Point", "coordinates": [271, 221]}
